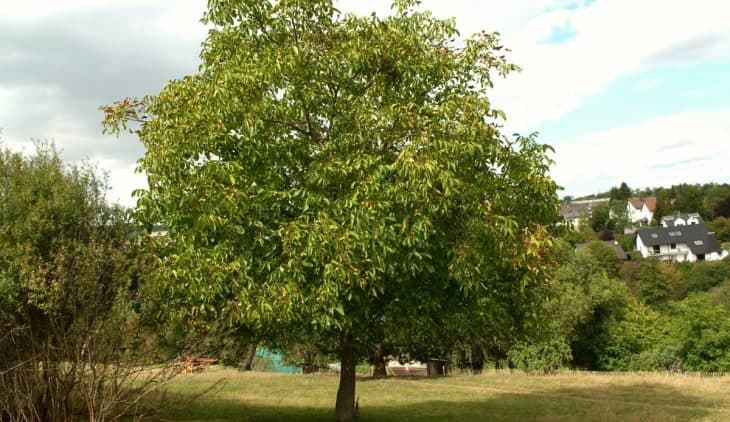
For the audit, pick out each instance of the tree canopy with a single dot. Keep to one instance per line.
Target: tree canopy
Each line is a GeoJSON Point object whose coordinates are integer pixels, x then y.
{"type": "Point", "coordinates": [339, 172]}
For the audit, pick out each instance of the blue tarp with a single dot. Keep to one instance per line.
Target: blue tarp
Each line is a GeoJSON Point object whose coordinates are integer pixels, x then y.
{"type": "Point", "coordinates": [275, 364]}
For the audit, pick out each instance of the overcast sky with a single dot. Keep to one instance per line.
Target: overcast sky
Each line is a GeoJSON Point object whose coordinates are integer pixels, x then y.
{"type": "Point", "coordinates": [625, 90]}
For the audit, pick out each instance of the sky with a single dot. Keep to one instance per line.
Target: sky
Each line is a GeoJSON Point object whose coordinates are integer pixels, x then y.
{"type": "Point", "coordinates": [624, 90]}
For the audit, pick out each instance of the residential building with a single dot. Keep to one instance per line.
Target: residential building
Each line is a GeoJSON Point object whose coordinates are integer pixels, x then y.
{"type": "Point", "coordinates": [679, 242]}
{"type": "Point", "coordinates": [640, 211]}
{"type": "Point", "coordinates": [681, 219]}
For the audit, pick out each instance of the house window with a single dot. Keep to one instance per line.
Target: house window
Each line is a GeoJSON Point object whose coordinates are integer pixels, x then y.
{"type": "Point", "coordinates": [673, 246]}
{"type": "Point", "coordinates": [656, 249]}
{"type": "Point", "coordinates": [654, 236]}
{"type": "Point", "coordinates": [699, 243]}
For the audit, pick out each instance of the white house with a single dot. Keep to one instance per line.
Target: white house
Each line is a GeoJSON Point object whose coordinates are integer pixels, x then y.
{"type": "Point", "coordinates": [679, 243]}
{"type": "Point", "coordinates": [681, 219]}
{"type": "Point", "coordinates": [641, 210]}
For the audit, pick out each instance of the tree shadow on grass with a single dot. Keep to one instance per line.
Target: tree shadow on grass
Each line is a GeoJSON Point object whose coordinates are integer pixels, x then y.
{"type": "Point", "coordinates": [643, 402]}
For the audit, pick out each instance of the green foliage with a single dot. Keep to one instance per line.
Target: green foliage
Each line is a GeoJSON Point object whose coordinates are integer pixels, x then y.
{"type": "Point", "coordinates": [652, 286]}
{"type": "Point", "coordinates": [606, 256]}
{"type": "Point", "coordinates": [69, 268]}
{"type": "Point", "coordinates": [343, 173]}
{"type": "Point", "coordinates": [721, 227]}
{"type": "Point", "coordinates": [702, 276]}
{"type": "Point", "coordinates": [621, 193]}
{"type": "Point", "coordinates": [691, 334]}
{"type": "Point", "coordinates": [600, 218]}
{"type": "Point", "coordinates": [352, 155]}
{"type": "Point", "coordinates": [575, 321]}
{"type": "Point", "coordinates": [569, 306]}
{"type": "Point", "coordinates": [688, 198]}
{"type": "Point", "coordinates": [721, 207]}
{"type": "Point", "coordinates": [573, 237]}
{"type": "Point", "coordinates": [631, 341]}
{"type": "Point", "coordinates": [701, 334]}
{"type": "Point", "coordinates": [608, 304]}
{"type": "Point", "coordinates": [563, 252]}
{"type": "Point", "coordinates": [546, 357]}
{"type": "Point", "coordinates": [721, 294]}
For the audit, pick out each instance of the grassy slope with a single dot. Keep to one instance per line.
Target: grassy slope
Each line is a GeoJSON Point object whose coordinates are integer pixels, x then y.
{"type": "Point", "coordinates": [564, 397]}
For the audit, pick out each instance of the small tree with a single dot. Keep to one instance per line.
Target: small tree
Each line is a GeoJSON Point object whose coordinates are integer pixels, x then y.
{"type": "Point", "coordinates": [601, 218]}
{"type": "Point", "coordinates": [342, 172]}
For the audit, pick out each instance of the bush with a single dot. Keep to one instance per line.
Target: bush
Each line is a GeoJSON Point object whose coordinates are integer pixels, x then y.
{"type": "Point", "coordinates": [721, 227]}
{"type": "Point", "coordinates": [69, 270]}
{"type": "Point", "coordinates": [702, 276]}
{"type": "Point", "coordinates": [630, 337]}
{"type": "Point", "coordinates": [606, 257]}
{"type": "Point", "coordinates": [546, 357]}
{"type": "Point", "coordinates": [721, 294]}
{"type": "Point", "coordinates": [701, 330]}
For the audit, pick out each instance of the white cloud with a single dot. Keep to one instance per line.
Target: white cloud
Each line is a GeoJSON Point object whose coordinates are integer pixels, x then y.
{"type": "Point", "coordinates": [689, 147]}
{"type": "Point", "coordinates": [612, 38]}
{"type": "Point", "coordinates": [122, 179]}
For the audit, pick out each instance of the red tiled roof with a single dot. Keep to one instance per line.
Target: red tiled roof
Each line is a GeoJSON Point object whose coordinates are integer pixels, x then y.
{"type": "Point", "coordinates": [649, 201]}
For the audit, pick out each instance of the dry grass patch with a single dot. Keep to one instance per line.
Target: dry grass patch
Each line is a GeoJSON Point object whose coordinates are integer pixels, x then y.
{"type": "Point", "coordinates": [495, 396]}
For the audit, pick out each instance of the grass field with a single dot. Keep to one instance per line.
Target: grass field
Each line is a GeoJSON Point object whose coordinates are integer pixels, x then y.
{"type": "Point", "coordinates": [491, 396]}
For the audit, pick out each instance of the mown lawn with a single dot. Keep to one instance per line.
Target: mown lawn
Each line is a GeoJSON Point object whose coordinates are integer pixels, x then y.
{"type": "Point", "coordinates": [492, 396]}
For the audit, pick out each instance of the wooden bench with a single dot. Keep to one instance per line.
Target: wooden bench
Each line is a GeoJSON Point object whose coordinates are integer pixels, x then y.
{"type": "Point", "coordinates": [189, 364]}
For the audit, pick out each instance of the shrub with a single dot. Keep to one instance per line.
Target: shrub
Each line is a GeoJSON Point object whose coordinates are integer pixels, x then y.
{"type": "Point", "coordinates": [702, 276]}
{"type": "Point", "coordinates": [701, 330]}
{"type": "Point", "coordinates": [546, 357]}
{"type": "Point", "coordinates": [69, 270]}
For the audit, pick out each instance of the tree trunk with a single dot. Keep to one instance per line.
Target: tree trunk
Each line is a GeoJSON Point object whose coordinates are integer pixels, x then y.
{"type": "Point", "coordinates": [345, 407]}
{"type": "Point", "coordinates": [477, 360]}
{"type": "Point", "coordinates": [379, 364]}
{"type": "Point", "coordinates": [250, 353]}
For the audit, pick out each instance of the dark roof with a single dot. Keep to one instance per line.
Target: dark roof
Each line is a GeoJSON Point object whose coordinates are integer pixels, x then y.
{"type": "Point", "coordinates": [669, 219]}
{"type": "Point", "coordinates": [696, 236]}
{"type": "Point", "coordinates": [620, 253]}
